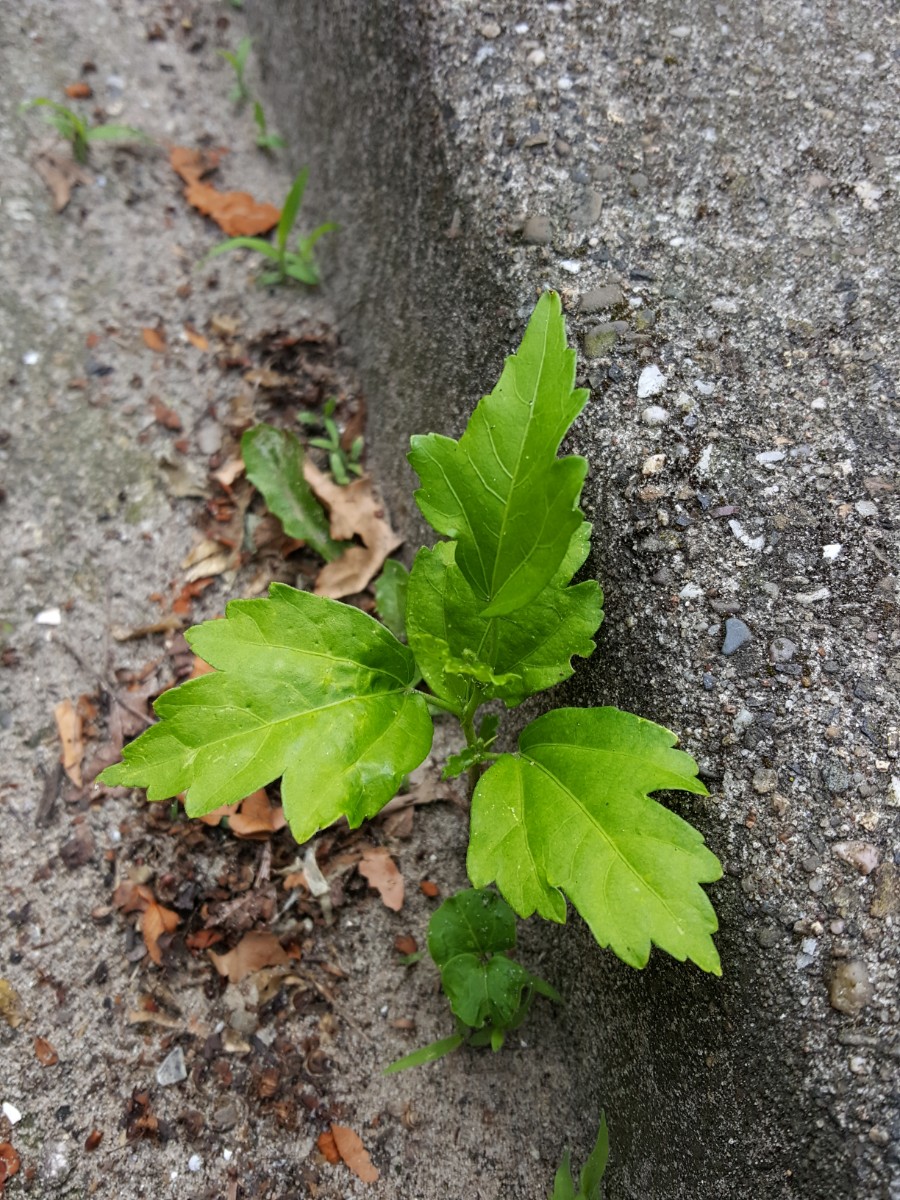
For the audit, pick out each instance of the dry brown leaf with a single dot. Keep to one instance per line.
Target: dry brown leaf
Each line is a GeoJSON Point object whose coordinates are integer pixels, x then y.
{"type": "Point", "coordinates": [196, 339]}
{"type": "Point", "coordinates": [61, 175]}
{"type": "Point", "coordinates": [132, 897]}
{"type": "Point", "coordinates": [354, 1153]}
{"type": "Point", "coordinates": [167, 624]}
{"type": "Point", "coordinates": [68, 724]}
{"type": "Point", "coordinates": [265, 378]}
{"type": "Point", "coordinates": [45, 1053]}
{"type": "Point", "coordinates": [354, 511]}
{"type": "Point", "coordinates": [79, 90]}
{"type": "Point", "coordinates": [209, 558]}
{"type": "Point", "coordinates": [155, 922]}
{"type": "Point", "coordinates": [328, 1147]}
{"type": "Point", "coordinates": [399, 824]}
{"type": "Point", "coordinates": [10, 1005]}
{"type": "Point", "coordinates": [165, 416]}
{"type": "Point", "coordinates": [154, 339]}
{"type": "Point", "coordinates": [255, 950]}
{"type": "Point", "coordinates": [377, 866]}
{"type": "Point", "coordinates": [405, 943]}
{"type": "Point", "coordinates": [237, 214]}
{"type": "Point", "coordinates": [194, 164]}
{"type": "Point", "coordinates": [429, 888]}
{"type": "Point", "coordinates": [229, 472]}
{"type": "Point", "coordinates": [257, 817]}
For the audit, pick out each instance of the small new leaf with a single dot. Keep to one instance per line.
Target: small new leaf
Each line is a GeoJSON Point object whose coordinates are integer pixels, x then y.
{"type": "Point", "coordinates": [390, 597]}
{"type": "Point", "coordinates": [500, 491]}
{"type": "Point", "coordinates": [571, 813]}
{"type": "Point", "coordinates": [304, 688]}
{"type": "Point", "coordinates": [591, 1173]}
{"type": "Point", "coordinates": [274, 461]}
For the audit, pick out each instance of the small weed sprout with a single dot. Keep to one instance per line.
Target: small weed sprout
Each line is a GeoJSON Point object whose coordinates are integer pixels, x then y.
{"type": "Point", "coordinates": [237, 59]}
{"type": "Point", "coordinates": [342, 463]}
{"type": "Point", "coordinates": [298, 264]}
{"type": "Point", "coordinates": [76, 130]}
{"type": "Point", "coordinates": [264, 139]}
{"type": "Point", "coordinates": [591, 1173]}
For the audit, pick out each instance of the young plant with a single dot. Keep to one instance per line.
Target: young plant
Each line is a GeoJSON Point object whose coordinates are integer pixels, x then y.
{"type": "Point", "coordinates": [264, 139]}
{"type": "Point", "coordinates": [591, 1173]}
{"type": "Point", "coordinates": [237, 59]}
{"type": "Point", "coordinates": [328, 698]}
{"type": "Point", "coordinates": [342, 463]}
{"type": "Point", "coordinates": [77, 132]}
{"type": "Point", "coordinates": [490, 994]}
{"type": "Point", "coordinates": [299, 264]}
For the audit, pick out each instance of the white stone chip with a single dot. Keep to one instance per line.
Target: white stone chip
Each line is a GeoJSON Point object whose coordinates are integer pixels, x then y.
{"type": "Point", "coordinates": [752, 543]}
{"type": "Point", "coordinates": [13, 1115]}
{"type": "Point", "coordinates": [652, 381]}
{"type": "Point", "coordinates": [50, 616]}
{"type": "Point", "coordinates": [655, 415]}
{"type": "Point", "coordinates": [572, 265]}
{"type": "Point", "coordinates": [831, 551]}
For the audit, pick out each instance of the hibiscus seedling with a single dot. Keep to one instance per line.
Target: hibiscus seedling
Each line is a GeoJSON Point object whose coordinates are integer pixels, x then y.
{"type": "Point", "coordinates": [327, 698]}
{"type": "Point", "coordinates": [469, 938]}
{"type": "Point", "coordinates": [77, 132]}
{"type": "Point", "coordinates": [298, 264]}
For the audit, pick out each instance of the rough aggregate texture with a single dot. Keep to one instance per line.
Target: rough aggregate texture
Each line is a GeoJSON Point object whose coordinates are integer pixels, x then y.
{"type": "Point", "coordinates": [731, 171]}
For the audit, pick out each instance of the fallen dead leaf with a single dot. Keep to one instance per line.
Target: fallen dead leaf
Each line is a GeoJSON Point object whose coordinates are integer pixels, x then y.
{"type": "Point", "coordinates": [328, 1147]}
{"type": "Point", "coordinates": [155, 922]}
{"type": "Point", "coordinates": [61, 175]}
{"type": "Point", "coordinates": [165, 625]}
{"type": "Point", "coordinates": [68, 724]}
{"type": "Point", "coordinates": [79, 90]}
{"type": "Point", "coordinates": [93, 1139]}
{"type": "Point", "coordinates": [399, 824]}
{"type": "Point", "coordinates": [236, 213]}
{"type": "Point", "coordinates": [196, 339]}
{"type": "Point", "coordinates": [255, 950]}
{"type": "Point", "coordinates": [229, 472]}
{"type": "Point", "coordinates": [353, 1152]}
{"type": "Point", "coordinates": [154, 339]}
{"type": "Point", "coordinates": [45, 1053]}
{"type": "Point", "coordinates": [377, 866]}
{"type": "Point", "coordinates": [354, 511]}
{"type": "Point", "coordinates": [405, 943]}
{"type": "Point", "coordinates": [208, 558]}
{"type": "Point", "coordinates": [165, 416]}
{"type": "Point", "coordinates": [10, 1005]}
{"type": "Point", "coordinates": [257, 817]}
{"type": "Point", "coordinates": [428, 888]}
{"type": "Point", "coordinates": [132, 897]}
{"type": "Point", "coordinates": [192, 165]}
{"type": "Point", "coordinates": [263, 377]}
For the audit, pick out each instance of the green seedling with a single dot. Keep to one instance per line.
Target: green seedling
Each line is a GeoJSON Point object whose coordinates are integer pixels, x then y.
{"type": "Point", "coordinates": [264, 139]}
{"type": "Point", "coordinates": [298, 264]}
{"type": "Point", "coordinates": [342, 463]}
{"type": "Point", "coordinates": [591, 1173]}
{"type": "Point", "coordinates": [326, 697]}
{"type": "Point", "coordinates": [77, 132]}
{"type": "Point", "coordinates": [469, 937]}
{"type": "Point", "coordinates": [237, 59]}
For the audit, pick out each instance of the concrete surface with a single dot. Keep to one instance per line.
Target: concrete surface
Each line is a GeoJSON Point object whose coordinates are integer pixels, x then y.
{"type": "Point", "coordinates": [713, 189]}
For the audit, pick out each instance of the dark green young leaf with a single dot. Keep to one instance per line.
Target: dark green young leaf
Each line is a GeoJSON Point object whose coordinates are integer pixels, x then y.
{"type": "Point", "coordinates": [509, 657]}
{"type": "Point", "coordinates": [426, 1054]}
{"type": "Point", "coordinates": [482, 991]}
{"type": "Point", "coordinates": [304, 687]}
{"type": "Point", "coordinates": [500, 491]}
{"type": "Point", "coordinates": [291, 207]}
{"type": "Point", "coordinates": [390, 597]}
{"type": "Point", "coordinates": [571, 813]}
{"type": "Point", "coordinates": [115, 133]}
{"type": "Point", "coordinates": [473, 921]}
{"type": "Point", "coordinates": [274, 461]}
{"type": "Point", "coordinates": [304, 272]}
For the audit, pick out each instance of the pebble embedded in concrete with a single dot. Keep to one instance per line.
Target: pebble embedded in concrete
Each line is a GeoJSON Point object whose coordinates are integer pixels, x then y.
{"type": "Point", "coordinates": [172, 1069]}
{"type": "Point", "coordinates": [536, 231]}
{"type": "Point", "coordinates": [737, 634]}
{"type": "Point", "coordinates": [651, 382]}
{"type": "Point", "coordinates": [600, 299]}
{"type": "Point", "coordinates": [782, 650]}
{"type": "Point", "coordinates": [56, 1162]}
{"type": "Point", "coordinates": [850, 990]}
{"type": "Point", "coordinates": [655, 415]}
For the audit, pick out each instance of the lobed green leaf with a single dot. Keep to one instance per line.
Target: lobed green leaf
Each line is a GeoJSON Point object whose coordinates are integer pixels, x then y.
{"type": "Point", "coordinates": [304, 688]}
{"type": "Point", "coordinates": [571, 813]}
{"type": "Point", "coordinates": [500, 491]}
{"type": "Point", "coordinates": [509, 657]}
